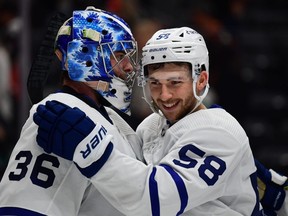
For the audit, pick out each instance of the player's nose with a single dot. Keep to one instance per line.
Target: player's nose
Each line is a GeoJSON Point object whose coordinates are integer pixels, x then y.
{"type": "Point", "coordinates": [165, 93]}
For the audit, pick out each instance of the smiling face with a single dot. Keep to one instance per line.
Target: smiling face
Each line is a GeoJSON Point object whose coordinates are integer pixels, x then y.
{"type": "Point", "coordinates": [171, 88]}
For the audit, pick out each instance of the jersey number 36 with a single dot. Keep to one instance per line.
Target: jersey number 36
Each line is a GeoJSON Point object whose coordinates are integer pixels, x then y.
{"type": "Point", "coordinates": [25, 158]}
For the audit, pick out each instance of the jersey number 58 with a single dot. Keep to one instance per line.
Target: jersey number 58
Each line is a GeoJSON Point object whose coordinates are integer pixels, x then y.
{"type": "Point", "coordinates": [210, 169]}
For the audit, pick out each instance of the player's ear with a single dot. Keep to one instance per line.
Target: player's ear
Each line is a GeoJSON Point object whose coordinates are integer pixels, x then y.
{"type": "Point", "coordinates": [59, 55]}
{"type": "Point", "coordinates": [202, 80]}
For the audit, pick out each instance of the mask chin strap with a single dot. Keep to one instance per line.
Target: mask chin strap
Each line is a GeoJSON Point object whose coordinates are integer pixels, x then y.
{"type": "Point", "coordinates": [100, 85]}
{"type": "Point", "coordinates": [201, 97]}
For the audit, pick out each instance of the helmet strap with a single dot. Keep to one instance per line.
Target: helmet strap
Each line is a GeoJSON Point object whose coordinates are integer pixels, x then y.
{"type": "Point", "coordinates": [199, 98]}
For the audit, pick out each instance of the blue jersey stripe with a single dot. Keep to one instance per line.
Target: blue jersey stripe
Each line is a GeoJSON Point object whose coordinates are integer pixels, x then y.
{"type": "Point", "coordinates": [15, 211]}
{"type": "Point", "coordinates": [92, 169]}
{"type": "Point", "coordinates": [153, 189]}
{"type": "Point", "coordinates": [154, 196]}
{"type": "Point", "coordinates": [180, 186]}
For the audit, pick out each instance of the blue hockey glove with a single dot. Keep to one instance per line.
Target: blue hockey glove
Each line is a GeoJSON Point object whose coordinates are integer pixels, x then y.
{"type": "Point", "coordinates": [271, 187]}
{"type": "Point", "coordinates": [69, 133]}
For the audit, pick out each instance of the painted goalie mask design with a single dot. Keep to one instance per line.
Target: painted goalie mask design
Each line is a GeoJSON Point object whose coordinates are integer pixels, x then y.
{"type": "Point", "coordinates": [88, 41]}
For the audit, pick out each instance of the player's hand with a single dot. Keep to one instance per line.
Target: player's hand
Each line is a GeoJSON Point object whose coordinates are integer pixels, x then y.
{"type": "Point", "coordinates": [271, 187]}
{"type": "Point", "coordinates": [69, 133]}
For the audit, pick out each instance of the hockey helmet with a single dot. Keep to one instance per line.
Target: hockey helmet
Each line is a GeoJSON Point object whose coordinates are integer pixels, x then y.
{"type": "Point", "coordinates": [175, 45]}
{"type": "Point", "coordinates": [87, 42]}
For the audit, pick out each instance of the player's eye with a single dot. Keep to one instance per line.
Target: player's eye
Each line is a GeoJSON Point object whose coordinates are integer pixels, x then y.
{"type": "Point", "coordinates": [154, 82]}
{"type": "Point", "coordinates": [175, 82]}
{"type": "Point", "coordinates": [119, 56]}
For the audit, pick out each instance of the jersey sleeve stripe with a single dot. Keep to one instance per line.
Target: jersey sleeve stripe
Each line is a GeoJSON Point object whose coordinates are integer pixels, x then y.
{"type": "Point", "coordinates": [97, 165]}
{"type": "Point", "coordinates": [18, 212]}
{"type": "Point", "coordinates": [153, 190]}
{"type": "Point", "coordinates": [180, 186]}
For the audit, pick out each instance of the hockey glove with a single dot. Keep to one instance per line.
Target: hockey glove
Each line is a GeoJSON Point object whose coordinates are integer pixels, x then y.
{"type": "Point", "coordinates": [271, 187]}
{"type": "Point", "coordinates": [69, 133]}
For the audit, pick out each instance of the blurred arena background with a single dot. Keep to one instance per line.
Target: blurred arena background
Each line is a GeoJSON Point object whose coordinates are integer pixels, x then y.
{"type": "Point", "coordinates": [247, 43]}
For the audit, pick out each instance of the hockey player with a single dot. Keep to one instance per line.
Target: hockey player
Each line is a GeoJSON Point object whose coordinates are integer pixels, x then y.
{"type": "Point", "coordinates": [97, 49]}
{"type": "Point", "coordinates": [198, 160]}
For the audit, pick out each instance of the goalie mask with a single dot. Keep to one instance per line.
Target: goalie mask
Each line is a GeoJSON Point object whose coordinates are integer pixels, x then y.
{"type": "Point", "coordinates": [87, 42]}
{"type": "Point", "coordinates": [175, 45]}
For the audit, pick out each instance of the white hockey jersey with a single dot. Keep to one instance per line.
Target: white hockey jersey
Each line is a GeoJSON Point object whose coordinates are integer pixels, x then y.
{"type": "Point", "coordinates": [36, 183]}
{"type": "Point", "coordinates": [201, 165]}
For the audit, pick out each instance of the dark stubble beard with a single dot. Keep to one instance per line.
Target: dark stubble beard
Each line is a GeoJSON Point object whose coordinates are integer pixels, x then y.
{"type": "Point", "coordinates": [187, 106]}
